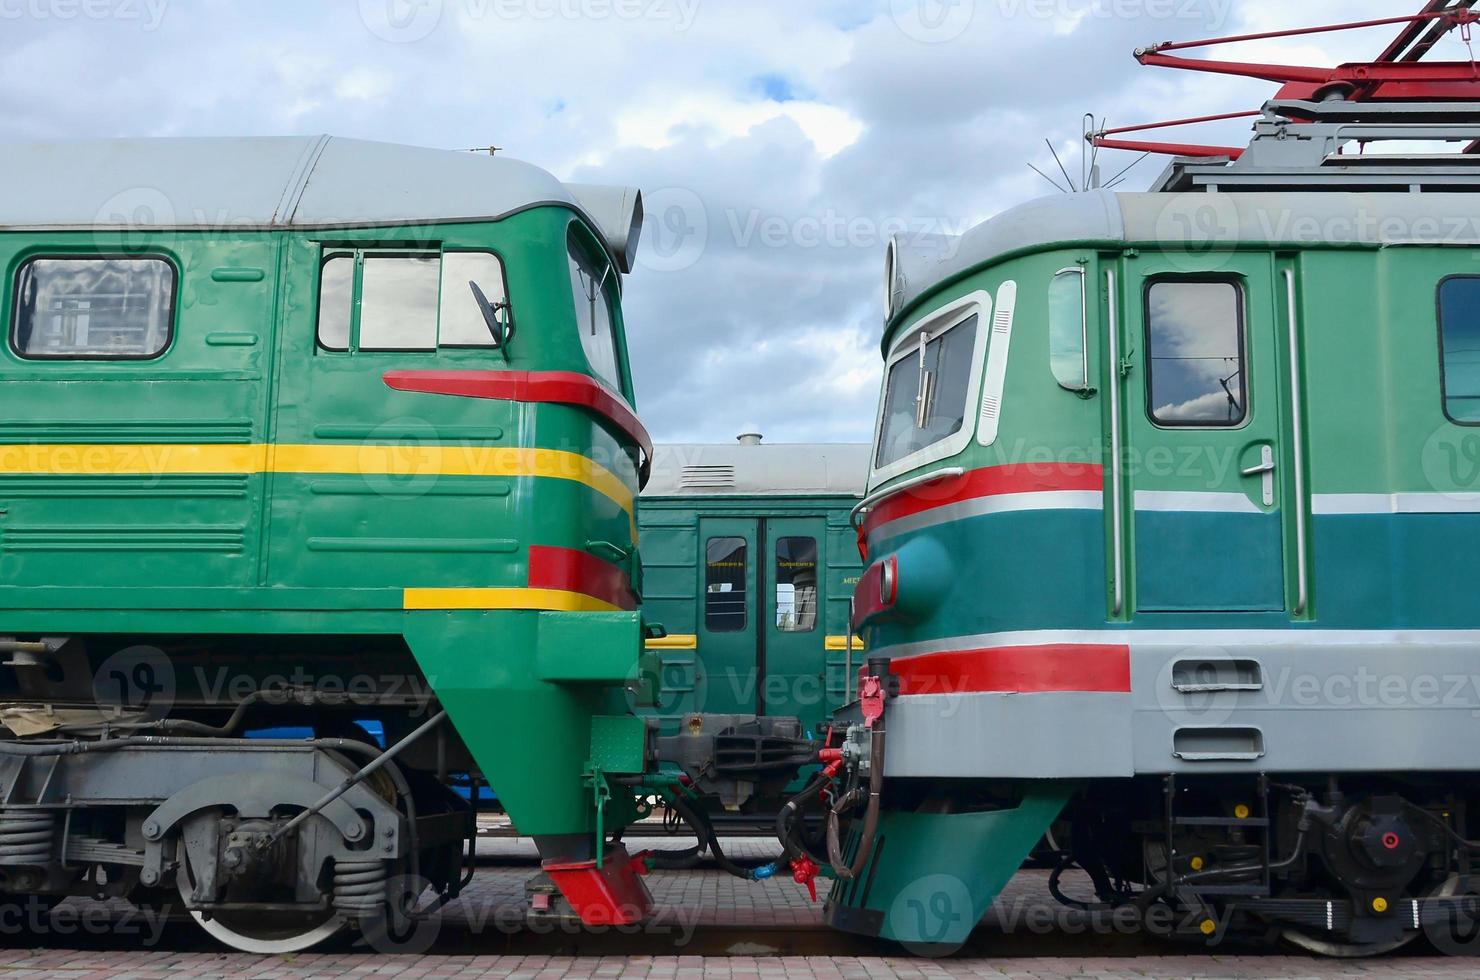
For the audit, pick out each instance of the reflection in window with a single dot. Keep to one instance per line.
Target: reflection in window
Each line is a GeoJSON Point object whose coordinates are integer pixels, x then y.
{"type": "Point", "coordinates": [925, 395]}
{"type": "Point", "coordinates": [398, 302]}
{"type": "Point", "coordinates": [591, 283]}
{"type": "Point", "coordinates": [1459, 335]}
{"type": "Point", "coordinates": [407, 301]}
{"type": "Point", "coordinates": [724, 585]}
{"type": "Point", "coordinates": [1066, 329]}
{"type": "Point", "coordinates": [1195, 353]}
{"type": "Point", "coordinates": [336, 301]}
{"type": "Point", "coordinates": [796, 585]}
{"type": "Point", "coordinates": [94, 307]}
{"type": "Point", "coordinates": [462, 321]}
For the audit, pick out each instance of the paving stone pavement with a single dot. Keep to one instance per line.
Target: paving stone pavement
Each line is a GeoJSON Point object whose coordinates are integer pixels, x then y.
{"type": "Point", "coordinates": [474, 940]}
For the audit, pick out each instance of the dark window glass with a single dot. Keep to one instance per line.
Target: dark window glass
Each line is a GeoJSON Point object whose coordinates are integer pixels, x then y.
{"type": "Point", "coordinates": [398, 302]}
{"type": "Point", "coordinates": [724, 585]}
{"type": "Point", "coordinates": [591, 284]}
{"type": "Point", "coordinates": [796, 585]}
{"type": "Point", "coordinates": [1459, 336]}
{"type": "Point", "coordinates": [336, 300]}
{"type": "Point", "coordinates": [1195, 353]}
{"type": "Point", "coordinates": [94, 307]}
{"type": "Point", "coordinates": [942, 372]}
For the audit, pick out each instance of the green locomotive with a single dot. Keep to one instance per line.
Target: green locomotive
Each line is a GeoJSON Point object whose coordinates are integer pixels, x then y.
{"type": "Point", "coordinates": [319, 432]}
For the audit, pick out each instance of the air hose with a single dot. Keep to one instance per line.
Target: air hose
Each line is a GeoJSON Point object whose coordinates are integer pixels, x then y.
{"type": "Point", "coordinates": [840, 867]}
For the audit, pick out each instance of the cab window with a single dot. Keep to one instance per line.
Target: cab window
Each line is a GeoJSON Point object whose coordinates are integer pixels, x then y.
{"type": "Point", "coordinates": [1459, 345]}
{"type": "Point", "coordinates": [379, 300]}
{"type": "Point", "coordinates": [591, 284]}
{"type": "Point", "coordinates": [1195, 353]}
{"type": "Point", "coordinates": [926, 392]}
{"type": "Point", "coordinates": [93, 307]}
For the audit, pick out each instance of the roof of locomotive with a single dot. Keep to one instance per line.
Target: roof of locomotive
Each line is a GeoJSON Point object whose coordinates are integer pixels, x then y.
{"type": "Point", "coordinates": [1194, 220]}
{"type": "Point", "coordinates": [818, 469]}
{"type": "Point", "coordinates": [261, 182]}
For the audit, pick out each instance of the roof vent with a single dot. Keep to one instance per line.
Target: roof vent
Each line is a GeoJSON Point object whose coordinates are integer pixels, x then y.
{"type": "Point", "coordinates": [707, 477]}
{"type": "Point", "coordinates": [749, 438]}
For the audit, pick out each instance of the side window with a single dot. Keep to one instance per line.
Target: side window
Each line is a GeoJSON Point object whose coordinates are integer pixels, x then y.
{"type": "Point", "coordinates": [724, 585]}
{"type": "Point", "coordinates": [1066, 330]}
{"type": "Point", "coordinates": [590, 283]}
{"type": "Point", "coordinates": [1195, 353]}
{"type": "Point", "coordinates": [796, 585]}
{"type": "Point", "coordinates": [93, 308]}
{"type": "Point", "coordinates": [406, 301]}
{"type": "Point", "coordinates": [925, 393]}
{"type": "Point", "coordinates": [1459, 347]}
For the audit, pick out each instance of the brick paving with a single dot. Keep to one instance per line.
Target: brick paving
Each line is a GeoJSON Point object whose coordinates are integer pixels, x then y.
{"type": "Point", "coordinates": [482, 935]}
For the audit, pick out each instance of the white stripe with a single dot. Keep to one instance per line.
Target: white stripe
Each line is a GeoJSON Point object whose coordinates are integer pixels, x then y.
{"type": "Point", "coordinates": [1148, 638]}
{"type": "Point", "coordinates": [1395, 503]}
{"type": "Point", "coordinates": [1195, 500]}
{"type": "Point", "coordinates": [1001, 503]}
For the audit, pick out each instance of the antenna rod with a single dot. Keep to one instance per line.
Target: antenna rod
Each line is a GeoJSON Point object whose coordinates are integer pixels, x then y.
{"type": "Point", "coordinates": [1056, 159]}
{"type": "Point", "coordinates": [1047, 178]}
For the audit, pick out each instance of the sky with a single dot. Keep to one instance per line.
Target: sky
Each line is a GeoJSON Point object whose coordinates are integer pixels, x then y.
{"type": "Point", "coordinates": [778, 143]}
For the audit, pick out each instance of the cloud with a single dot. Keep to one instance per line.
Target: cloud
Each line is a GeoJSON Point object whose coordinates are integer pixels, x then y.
{"type": "Point", "coordinates": [788, 138]}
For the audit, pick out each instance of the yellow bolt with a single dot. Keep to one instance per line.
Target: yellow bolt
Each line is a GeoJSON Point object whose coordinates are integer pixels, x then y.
{"type": "Point", "coordinates": [1241, 811]}
{"type": "Point", "coordinates": [1208, 927]}
{"type": "Point", "coordinates": [1379, 904]}
{"type": "Point", "coordinates": [1197, 864]}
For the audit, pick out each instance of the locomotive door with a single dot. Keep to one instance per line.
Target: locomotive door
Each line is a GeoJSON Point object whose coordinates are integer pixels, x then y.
{"type": "Point", "coordinates": [1203, 433]}
{"type": "Point", "coordinates": [729, 675]}
{"type": "Point", "coordinates": [761, 632]}
{"type": "Point", "coordinates": [794, 641]}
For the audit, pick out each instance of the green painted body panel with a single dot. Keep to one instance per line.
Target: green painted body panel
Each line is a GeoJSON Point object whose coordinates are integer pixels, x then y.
{"type": "Point", "coordinates": [934, 875]}
{"type": "Point", "coordinates": [725, 673]}
{"type": "Point", "coordinates": [268, 549]}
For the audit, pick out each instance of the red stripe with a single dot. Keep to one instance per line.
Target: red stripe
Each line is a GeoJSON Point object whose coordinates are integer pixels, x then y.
{"type": "Point", "coordinates": [1030, 669]}
{"type": "Point", "coordinates": [987, 482]}
{"type": "Point", "coordinates": [553, 387]}
{"type": "Point", "coordinates": [570, 570]}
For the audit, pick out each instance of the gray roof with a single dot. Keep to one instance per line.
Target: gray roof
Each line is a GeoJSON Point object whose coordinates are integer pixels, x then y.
{"type": "Point", "coordinates": [278, 182]}
{"type": "Point", "coordinates": [697, 469]}
{"type": "Point", "coordinates": [1196, 220]}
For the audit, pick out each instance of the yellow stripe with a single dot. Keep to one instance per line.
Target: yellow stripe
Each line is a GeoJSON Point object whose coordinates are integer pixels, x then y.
{"type": "Point", "coordinates": [362, 460]}
{"type": "Point", "coordinates": [674, 641]}
{"type": "Point", "coordinates": [543, 599]}
{"type": "Point", "coordinates": [841, 643]}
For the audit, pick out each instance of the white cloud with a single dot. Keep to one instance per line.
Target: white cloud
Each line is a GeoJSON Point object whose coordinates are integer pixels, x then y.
{"type": "Point", "coordinates": [802, 116]}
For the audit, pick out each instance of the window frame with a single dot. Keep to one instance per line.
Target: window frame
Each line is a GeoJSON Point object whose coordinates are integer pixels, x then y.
{"type": "Point", "coordinates": [356, 289]}
{"type": "Point", "coordinates": [1443, 363]}
{"type": "Point", "coordinates": [172, 310]}
{"type": "Point", "coordinates": [1082, 273]}
{"type": "Point", "coordinates": [580, 239]}
{"type": "Point", "coordinates": [944, 318]}
{"type": "Point", "coordinates": [1241, 293]}
{"type": "Point", "coordinates": [777, 583]}
{"type": "Point", "coordinates": [745, 579]}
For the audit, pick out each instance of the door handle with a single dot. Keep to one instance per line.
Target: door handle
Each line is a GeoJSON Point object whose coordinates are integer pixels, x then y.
{"type": "Point", "coordinates": [1265, 468]}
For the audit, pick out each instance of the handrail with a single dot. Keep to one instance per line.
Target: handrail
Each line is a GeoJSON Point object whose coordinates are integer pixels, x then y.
{"type": "Point", "coordinates": [880, 495]}
{"type": "Point", "coordinates": [1117, 532]}
{"type": "Point", "coordinates": [1297, 447]}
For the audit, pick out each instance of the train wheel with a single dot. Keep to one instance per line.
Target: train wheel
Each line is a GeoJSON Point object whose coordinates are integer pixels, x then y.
{"type": "Point", "coordinates": [262, 930]}
{"type": "Point", "coordinates": [1319, 946]}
